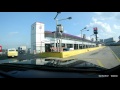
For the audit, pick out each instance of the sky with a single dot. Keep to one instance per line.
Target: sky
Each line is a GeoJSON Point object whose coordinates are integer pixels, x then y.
{"type": "Point", "coordinates": [15, 27]}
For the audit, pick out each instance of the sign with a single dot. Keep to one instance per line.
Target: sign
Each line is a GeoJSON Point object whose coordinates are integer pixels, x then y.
{"type": "Point", "coordinates": [0, 48]}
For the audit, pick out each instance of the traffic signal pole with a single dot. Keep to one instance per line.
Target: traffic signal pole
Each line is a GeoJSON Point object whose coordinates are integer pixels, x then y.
{"type": "Point", "coordinates": [96, 37]}
{"type": "Point", "coordinates": [95, 32]}
{"type": "Point", "coordinates": [96, 40]}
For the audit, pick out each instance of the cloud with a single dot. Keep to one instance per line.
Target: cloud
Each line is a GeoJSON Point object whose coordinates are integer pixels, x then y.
{"type": "Point", "coordinates": [107, 23]}
{"type": "Point", "coordinates": [98, 13]}
{"type": "Point", "coordinates": [108, 16]}
{"type": "Point", "coordinates": [116, 26]}
{"type": "Point", "coordinates": [13, 33]}
{"type": "Point", "coordinates": [104, 29]}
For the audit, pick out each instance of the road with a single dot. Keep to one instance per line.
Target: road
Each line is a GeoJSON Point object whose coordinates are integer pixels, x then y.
{"type": "Point", "coordinates": [20, 57]}
{"type": "Point", "coordinates": [107, 57]}
{"type": "Point", "coordinates": [116, 50]}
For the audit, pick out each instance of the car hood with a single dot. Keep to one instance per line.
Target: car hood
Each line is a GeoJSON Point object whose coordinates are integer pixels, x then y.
{"type": "Point", "coordinates": [50, 68]}
{"type": "Point", "coordinates": [70, 63]}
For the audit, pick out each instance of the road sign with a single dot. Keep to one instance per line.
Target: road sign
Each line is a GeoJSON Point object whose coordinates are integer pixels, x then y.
{"type": "Point", "coordinates": [0, 48]}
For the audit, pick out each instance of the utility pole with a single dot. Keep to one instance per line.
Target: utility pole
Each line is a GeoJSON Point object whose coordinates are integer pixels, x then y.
{"type": "Point", "coordinates": [59, 30]}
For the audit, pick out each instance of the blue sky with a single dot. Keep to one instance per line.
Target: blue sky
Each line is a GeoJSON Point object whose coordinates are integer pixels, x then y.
{"type": "Point", "coordinates": [15, 27]}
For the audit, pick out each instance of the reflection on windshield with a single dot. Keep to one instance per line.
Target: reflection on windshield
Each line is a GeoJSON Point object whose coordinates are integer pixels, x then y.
{"type": "Point", "coordinates": [9, 61]}
{"type": "Point", "coordinates": [71, 63]}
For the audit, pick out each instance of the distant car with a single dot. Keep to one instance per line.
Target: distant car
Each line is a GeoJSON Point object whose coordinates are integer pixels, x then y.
{"type": "Point", "coordinates": [12, 53]}
{"type": "Point", "coordinates": [21, 52]}
{"type": "Point", "coordinates": [66, 49]}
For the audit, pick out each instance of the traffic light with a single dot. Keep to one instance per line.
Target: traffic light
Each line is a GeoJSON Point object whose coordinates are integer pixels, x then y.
{"type": "Point", "coordinates": [95, 30]}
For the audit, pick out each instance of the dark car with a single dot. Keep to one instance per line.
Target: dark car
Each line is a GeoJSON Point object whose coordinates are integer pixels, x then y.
{"type": "Point", "coordinates": [66, 49]}
{"type": "Point", "coordinates": [21, 52]}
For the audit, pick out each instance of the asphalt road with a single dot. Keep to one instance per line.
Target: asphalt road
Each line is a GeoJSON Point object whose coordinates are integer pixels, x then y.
{"type": "Point", "coordinates": [107, 57]}
{"type": "Point", "coordinates": [20, 57]}
{"type": "Point", "coordinates": [116, 50]}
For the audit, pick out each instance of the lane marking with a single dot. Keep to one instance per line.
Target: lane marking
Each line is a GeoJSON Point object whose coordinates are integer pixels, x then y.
{"type": "Point", "coordinates": [100, 63]}
{"type": "Point", "coordinates": [115, 55]}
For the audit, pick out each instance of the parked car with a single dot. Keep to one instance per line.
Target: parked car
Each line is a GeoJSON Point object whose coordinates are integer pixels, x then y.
{"type": "Point", "coordinates": [66, 49]}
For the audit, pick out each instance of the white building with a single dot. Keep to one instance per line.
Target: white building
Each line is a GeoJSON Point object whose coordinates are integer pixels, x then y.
{"type": "Point", "coordinates": [42, 41]}
{"type": "Point", "coordinates": [37, 37]}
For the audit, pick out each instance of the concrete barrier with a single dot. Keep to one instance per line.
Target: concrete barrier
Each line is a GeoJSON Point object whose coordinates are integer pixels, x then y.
{"type": "Point", "coordinates": [76, 52]}
{"type": "Point", "coordinates": [67, 54]}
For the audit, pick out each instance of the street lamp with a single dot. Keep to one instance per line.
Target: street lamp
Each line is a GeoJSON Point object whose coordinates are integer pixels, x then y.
{"type": "Point", "coordinates": [81, 35]}
{"type": "Point", "coordinates": [57, 15]}
{"type": "Point", "coordinates": [65, 19]}
{"type": "Point", "coordinates": [54, 39]}
{"type": "Point", "coordinates": [57, 25]}
{"type": "Point", "coordinates": [62, 32]}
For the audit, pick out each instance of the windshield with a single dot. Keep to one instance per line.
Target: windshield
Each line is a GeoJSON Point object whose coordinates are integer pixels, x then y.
{"type": "Point", "coordinates": [71, 40]}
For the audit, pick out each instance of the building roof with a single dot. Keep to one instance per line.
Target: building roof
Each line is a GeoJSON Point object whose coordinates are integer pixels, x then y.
{"type": "Point", "coordinates": [65, 35]}
{"type": "Point", "coordinates": [37, 23]}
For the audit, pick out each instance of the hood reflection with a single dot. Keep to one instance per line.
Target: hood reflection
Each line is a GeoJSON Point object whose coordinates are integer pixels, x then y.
{"type": "Point", "coordinates": [53, 62]}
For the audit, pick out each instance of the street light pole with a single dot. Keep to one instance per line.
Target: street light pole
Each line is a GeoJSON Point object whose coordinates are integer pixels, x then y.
{"type": "Point", "coordinates": [54, 39]}
{"type": "Point", "coordinates": [56, 27]}
{"type": "Point", "coordinates": [56, 35]}
{"type": "Point", "coordinates": [60, 39]}
{"type": "Point", "coordinates": [82, 37]}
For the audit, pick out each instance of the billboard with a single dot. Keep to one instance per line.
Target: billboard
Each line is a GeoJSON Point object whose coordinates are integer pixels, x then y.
{"type": "Point", "coordinates": [0, 48]}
